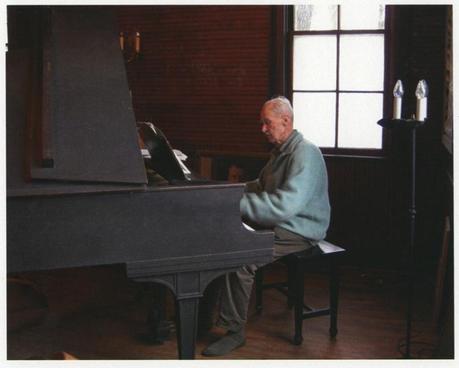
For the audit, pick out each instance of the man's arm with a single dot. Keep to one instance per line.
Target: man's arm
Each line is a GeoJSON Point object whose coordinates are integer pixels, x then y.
{"type": "Point", "coordinates": [306, 174]}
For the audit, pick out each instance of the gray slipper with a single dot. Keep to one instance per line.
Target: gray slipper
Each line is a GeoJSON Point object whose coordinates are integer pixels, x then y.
{"type": "Point", "coordinates": [228, 343]}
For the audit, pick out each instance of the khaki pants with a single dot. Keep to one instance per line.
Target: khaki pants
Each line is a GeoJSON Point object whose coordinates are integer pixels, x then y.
{"type": "Point", "coordinates": [237, 286]}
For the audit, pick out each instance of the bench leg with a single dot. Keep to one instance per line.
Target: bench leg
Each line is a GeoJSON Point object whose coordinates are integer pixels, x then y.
{"type": "Point", "coordinates": [334, 290]}
{"type": "Point", "coordinates": [291, 283]}
{"type": "Point", "coordinates": [259, 291]}
{"type": "Point", "coordinates": [299, 302]}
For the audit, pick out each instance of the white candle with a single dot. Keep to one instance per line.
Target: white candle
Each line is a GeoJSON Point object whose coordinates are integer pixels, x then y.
{"type": "Point", "coordinates": [397, 108]}
{"type": "Point", "coordinates": [421, 104]}
{"type": "Point", "coordinates": [398, 94]}
{"type": "Point", "coordinates": [421, 109]}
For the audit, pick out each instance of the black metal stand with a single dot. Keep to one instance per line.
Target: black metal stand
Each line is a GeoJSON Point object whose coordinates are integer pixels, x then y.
{"type": "Point", "coordinates": [412, 125]}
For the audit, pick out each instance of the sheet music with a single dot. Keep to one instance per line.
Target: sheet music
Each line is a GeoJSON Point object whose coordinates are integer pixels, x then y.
{"type": "Point", "coordinates": [248, 227]}
{"type": "Point", "coordinates": [145, 153]}
{"type": "Point", "coordinates": [180, 158]}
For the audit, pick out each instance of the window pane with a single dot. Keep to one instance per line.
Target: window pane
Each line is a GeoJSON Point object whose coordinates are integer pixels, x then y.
{"type": "Point", "coordinates": [314, 117]}
{"type": "Point", "coordinates": [314, 62]}
{"type": "Point", "coordinates": [358, 114]}
{"type": "Point", "coordinates": [362, 62]}
{"type": "Point", "coordinates": [315, 17]}
{"type": "Point", "coordinates": [362, 16]}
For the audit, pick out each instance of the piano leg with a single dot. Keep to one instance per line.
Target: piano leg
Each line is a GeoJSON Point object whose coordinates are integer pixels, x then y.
{"type": "Point", "coordinates": [187, 325]}
{"type": "Point", "coordinates": [188, 288]}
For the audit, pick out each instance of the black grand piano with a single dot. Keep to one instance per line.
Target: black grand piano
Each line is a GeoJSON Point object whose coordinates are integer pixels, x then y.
{"type": "Point", "coordinates": [78, 193]}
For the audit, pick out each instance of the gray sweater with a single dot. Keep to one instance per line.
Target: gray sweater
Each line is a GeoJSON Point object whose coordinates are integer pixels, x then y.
{"type": "Point", "coordinates": [291, 191]}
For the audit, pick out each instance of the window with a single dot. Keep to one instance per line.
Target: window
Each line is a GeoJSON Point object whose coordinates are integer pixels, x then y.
{"type": "Point", "coordinates": [338, 74]}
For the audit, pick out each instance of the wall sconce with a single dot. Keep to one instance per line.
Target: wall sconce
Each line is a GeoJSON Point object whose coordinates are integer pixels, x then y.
{"type": "Point", "coordinates": [130, 45]}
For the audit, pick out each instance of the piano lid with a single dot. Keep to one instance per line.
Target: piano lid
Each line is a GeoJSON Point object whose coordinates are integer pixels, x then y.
{"type": "Point", "coordinates": [78, 124]}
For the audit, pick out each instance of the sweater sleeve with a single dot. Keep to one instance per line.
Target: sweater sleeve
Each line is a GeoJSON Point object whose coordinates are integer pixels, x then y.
{"type": "Point", "coordinates": [303, 176]}
{"type": "Point", "coordinates": [253, 186]}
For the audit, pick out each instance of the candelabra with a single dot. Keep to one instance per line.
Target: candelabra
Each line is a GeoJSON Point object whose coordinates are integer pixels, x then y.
{"type": "Point", "coordinates": [130, 45]}
{"type": "Point", "coordinates": [411, 125]}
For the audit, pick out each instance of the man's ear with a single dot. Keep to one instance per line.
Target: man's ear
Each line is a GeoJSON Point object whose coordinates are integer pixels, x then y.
{"type": "Point", "coordinates": [285, 120]}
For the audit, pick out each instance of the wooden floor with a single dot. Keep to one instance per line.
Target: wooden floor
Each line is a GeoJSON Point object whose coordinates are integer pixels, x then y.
{"type": "Point", "coordinates": [91, 319]}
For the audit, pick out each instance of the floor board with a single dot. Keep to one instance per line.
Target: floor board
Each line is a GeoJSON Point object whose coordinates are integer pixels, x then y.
{"type": "Point", "coordinates": [96, 320]}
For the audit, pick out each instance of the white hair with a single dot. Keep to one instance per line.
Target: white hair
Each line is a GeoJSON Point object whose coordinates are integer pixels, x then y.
{"type": "Point", "coordinates": [281, 106]}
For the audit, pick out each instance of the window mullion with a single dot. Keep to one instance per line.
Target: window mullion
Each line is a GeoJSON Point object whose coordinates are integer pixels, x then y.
{"type": "Point", "coordinates": [342, 31]}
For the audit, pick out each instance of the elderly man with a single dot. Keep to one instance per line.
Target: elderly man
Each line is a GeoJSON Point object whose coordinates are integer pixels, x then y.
{"type": "Point", "coordinates": [291, 197]}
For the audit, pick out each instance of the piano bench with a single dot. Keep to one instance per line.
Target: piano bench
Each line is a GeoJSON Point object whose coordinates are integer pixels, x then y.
{"type": "Point", "coordinates": [297, 265]}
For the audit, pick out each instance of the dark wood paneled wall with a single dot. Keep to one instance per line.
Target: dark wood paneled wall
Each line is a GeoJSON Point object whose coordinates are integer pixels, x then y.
{"type": "Point", "coordinates": [205, 71]}
{"type": "Point", "coordinates": [362, 216]}
{"type": "Point", "coordinates": [203, 74]}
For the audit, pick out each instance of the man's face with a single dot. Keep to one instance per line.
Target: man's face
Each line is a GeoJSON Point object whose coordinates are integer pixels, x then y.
{"type": "Point", "coordinates": [274, 126]}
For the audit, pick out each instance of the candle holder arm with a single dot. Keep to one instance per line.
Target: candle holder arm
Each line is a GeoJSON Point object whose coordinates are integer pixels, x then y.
{"type": "Point", "coordinates": [401, 123]}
